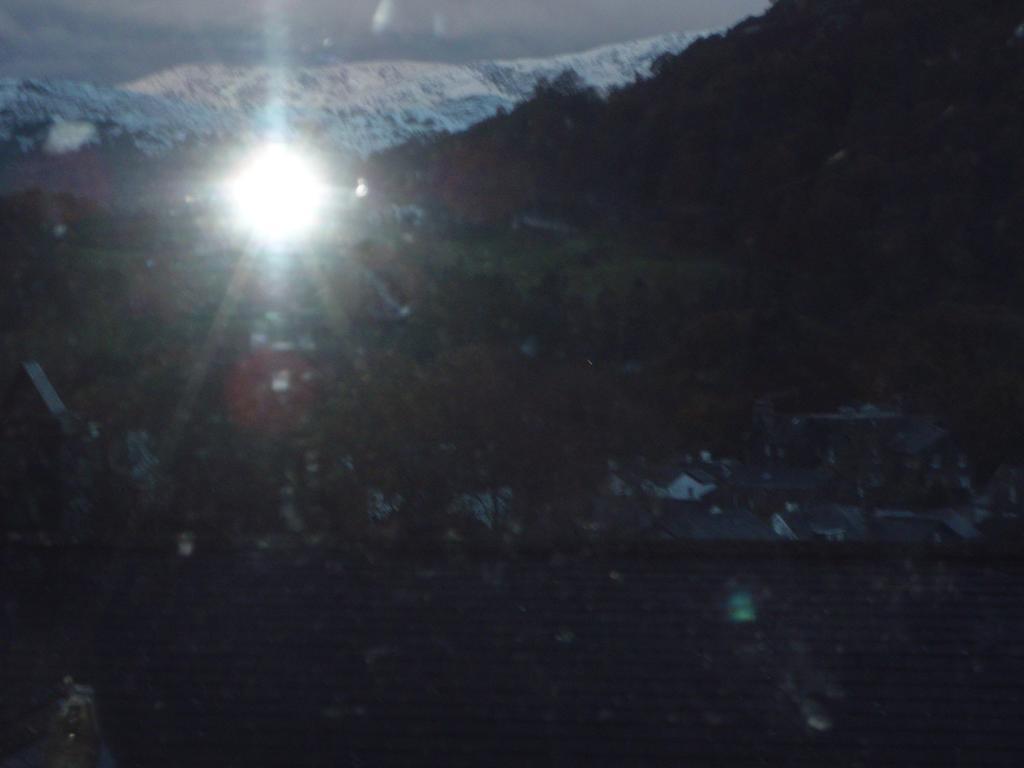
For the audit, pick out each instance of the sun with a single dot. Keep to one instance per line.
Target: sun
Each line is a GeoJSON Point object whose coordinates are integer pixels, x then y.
{"type": "Point", "coordinates": [277, 197]}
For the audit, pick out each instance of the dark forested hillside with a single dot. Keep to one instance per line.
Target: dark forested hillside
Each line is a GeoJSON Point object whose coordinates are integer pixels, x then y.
{"type": "Point", "coordinates": [859, 161]}
{"type": "Point", "coordinates": [820, 116]}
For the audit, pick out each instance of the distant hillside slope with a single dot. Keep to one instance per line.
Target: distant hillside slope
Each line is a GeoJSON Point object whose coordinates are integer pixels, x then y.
{"type": "Point", "coordinates": [827, 130]}
{"type": "Point", "coordinates": [352, 108]}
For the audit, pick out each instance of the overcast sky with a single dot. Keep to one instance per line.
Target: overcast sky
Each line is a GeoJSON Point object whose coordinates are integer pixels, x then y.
{"type": "Point", "coordinates": [111, 41]}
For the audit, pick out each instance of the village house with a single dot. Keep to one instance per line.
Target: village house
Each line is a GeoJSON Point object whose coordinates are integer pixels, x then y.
{"type": "Point", "coordinates": [685, 478]}
{"type": "Point", "coordinates": [844, 523]}
{"type": "Point", "coordinates": [768, 490]}
{"type": "Point", "coordinates": [634, 497]}
{"type": "Point", "coordinates": [930, 527]}
{"type": "Point", "coordinates": [876, 454]}
{"type": "Point", "coordinates": [862, 473]}
{"type": "Point", "coordinates": [821, 522]}
{"type": "Point", "coordinates": [708, 522]}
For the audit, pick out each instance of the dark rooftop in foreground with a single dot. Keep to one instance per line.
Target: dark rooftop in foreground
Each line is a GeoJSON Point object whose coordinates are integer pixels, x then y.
{"type": "Point", "coordinates": [755, 656]}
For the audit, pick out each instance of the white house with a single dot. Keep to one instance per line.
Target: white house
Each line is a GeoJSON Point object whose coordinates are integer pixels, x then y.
{"type": "Point", "coordinates": [678, 484]}
{"type": "Point", "coordinates": [689, 485]}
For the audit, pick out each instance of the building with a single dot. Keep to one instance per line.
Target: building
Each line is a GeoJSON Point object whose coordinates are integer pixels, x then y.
{"type": "Point", "coordinates": [926, 456]}
{"type": "Point", "coordinates": [661, 656]}
{"type": "Point", "coordinates": [633, 498]}
{"type": "Point", "coordinates": [877, 454]}
{"type": "Point", "coordinates": [908, 527]}
{"type": "Point", "coordinates": [708, 522]}
{"type": "Point", "coordinates": [767, 490]}
{"type": "Point", "coordinates": [843, 523]}
{"type": "Point", "coordinates": [681, 479]}
{"type": "Point", "coordinates": [825, 522]}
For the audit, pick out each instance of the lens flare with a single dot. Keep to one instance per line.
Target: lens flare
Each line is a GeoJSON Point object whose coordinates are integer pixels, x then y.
{"type": "Point", "coordinates": [278, 196]}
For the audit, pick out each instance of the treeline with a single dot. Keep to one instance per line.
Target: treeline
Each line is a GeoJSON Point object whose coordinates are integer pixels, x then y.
{"type": "Point", "coordinates": [818, 118]}
{"type": "Point", "coordinates": [488, 387]}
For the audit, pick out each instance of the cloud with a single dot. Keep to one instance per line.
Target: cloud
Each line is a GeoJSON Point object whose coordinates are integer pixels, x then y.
{"type": "Point", "coordinates": [119, 40]}
{"type": "Point", "coordinates": [71, 43]}
{"type": "Point", "coordinates": [10, 29]}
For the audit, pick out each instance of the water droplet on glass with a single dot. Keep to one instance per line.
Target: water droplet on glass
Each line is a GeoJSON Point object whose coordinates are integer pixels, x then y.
{"type": "Point", "coordinates": [186, 544]}
{"type": "Point", "coordinates": [740, 608]}
{"type": "Point", "coordinates": [816, 717]}
{"type": "Point", "coordinates": [383, 17]}
{"type": "Point", "coordinates": [281, 382]}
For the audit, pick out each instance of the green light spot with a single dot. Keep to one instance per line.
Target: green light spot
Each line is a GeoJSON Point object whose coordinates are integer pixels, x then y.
{"type": "Point", "coordinates": [741, 608]}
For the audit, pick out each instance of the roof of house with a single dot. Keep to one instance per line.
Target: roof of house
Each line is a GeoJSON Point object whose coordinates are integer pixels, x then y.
{"type": "Point", "coordinates": [903, 433]}
{"type": "Point", "coordinates": [667, 472]}
{"type": "Point", "coordinates": [778, 478]}
{"type": "Point", "coordinates": [917, 436]}
{"type": "Point", "coordinates": [959, 522]}
{"type": "Point", "coordinates": [704, 521]}
{"type": "Point", "coordinates": [651, 659]}
{"type": "Point", "coordinates": [907, 525]}
{"type": "Point", "coordinates": [866, 412]}
{"type": "Point", "coordinates": [912, 529]}
{"type": "Point", "coordinates": [701, 476]}
{"type": "Point", "coordinates": [825, 521]}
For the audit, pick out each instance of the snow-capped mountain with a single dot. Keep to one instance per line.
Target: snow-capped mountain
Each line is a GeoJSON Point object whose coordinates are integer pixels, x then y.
{"type": "Point", "coordinates": [32, 110]}
{"type": "Point", "coordinates": [401, 84]}
{"type": "Point", "coordinates": [358, 107]}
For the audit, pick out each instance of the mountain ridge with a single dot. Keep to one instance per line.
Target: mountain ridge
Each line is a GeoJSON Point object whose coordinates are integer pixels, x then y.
{"type": "Point", "coordinates": [358, 108]}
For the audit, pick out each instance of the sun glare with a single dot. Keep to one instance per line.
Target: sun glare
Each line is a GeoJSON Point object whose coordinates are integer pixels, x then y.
{"type": "Point", "coordinates": [278, 196]}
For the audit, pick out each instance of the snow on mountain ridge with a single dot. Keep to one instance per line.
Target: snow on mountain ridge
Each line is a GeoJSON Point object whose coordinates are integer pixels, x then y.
{"type": "Point", "coordinates": [154, 122]}
{"type": "Point", "coordinates": [360, 107]}
{"type": "Point", "coordinates": [368, 106]}
{"type": "Point", "coordinates": [233, 87]}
